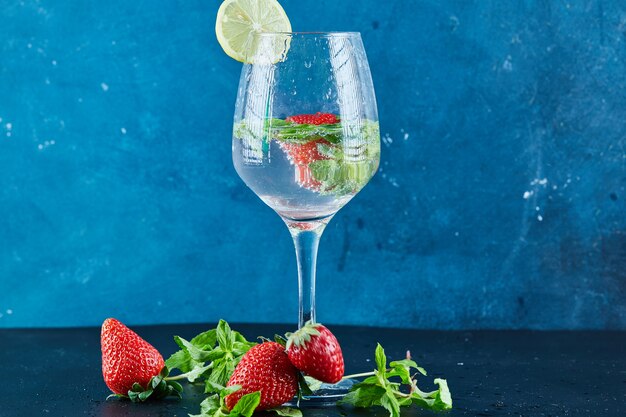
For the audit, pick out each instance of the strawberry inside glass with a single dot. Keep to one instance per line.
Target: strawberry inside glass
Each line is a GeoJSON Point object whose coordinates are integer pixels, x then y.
{"type": "Point", "coordinates": [302, 154]}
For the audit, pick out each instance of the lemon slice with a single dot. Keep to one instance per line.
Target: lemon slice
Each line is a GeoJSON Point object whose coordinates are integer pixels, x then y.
{"type": "Point", "coordinates": [238, 21]}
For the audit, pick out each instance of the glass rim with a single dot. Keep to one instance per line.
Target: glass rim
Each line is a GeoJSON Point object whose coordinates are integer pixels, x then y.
{"type": "Point", "coordinates": [312, 34]}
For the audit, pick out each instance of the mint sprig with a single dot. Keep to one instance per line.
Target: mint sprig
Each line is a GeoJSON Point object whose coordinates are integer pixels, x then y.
{"type": "Point", "coordinates": [182, 360]}
{"type": "Point", "coordinates": [211, 356]}
{"type": "Point", "coordinates": [379, 390]}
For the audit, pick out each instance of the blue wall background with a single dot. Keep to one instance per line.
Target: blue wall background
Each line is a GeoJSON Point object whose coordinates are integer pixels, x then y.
{"type": "Point", "coordinates": [499, 203]}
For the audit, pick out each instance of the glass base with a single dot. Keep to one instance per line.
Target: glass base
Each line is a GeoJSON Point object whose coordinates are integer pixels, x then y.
{"type": "Point", "coordinates": [326, 395]}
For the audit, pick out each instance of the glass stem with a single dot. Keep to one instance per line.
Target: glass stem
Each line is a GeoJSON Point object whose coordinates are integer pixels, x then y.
{"type": "Point", "coordinates": [306, 238]}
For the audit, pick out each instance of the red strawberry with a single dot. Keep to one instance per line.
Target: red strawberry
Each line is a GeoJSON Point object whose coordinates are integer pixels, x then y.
{"type": "Point", "coordinates": [265, 368]}
{"type": "Point", "coordinates": [301, 155]}
{"type": "Point", "coordinates": [127, 358]}
{"type": "Point", "coordinates": [313, 119]}
{"type": "Point", "coordinates": [305, 153]}
{"type": "Point", "coordinates": [315, 350]}
{"type": "Point", "coordinates": [305, 178]}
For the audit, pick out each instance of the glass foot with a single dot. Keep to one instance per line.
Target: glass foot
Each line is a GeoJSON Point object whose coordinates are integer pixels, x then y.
{"type": "Point", "coordinates": [326, 395]}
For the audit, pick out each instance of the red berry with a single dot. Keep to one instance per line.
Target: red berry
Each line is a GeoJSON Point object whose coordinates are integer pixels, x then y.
{"type": "Point", "coordinates": [313, 119]}
{"type": "Point", "coordinates": [127, 358]}
{"type": "Point", "coordinates": [305, 178]}
{"type": "Point", "coordinates": [265, 368]}
{"type": "Point", "coordinates": [305, 153]}
{"type": "Point", "coordinates": [315, 351]}
{"type": "Point", "coordinates": [301, 155]}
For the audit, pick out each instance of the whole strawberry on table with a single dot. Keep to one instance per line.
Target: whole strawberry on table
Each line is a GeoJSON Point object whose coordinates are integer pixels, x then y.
{"type": "Point", "coordinates": [242, 376]}
{"type": "Point", "coordinates": [132, 367]}
{"type": "Point", "coordinates": [314, 350]}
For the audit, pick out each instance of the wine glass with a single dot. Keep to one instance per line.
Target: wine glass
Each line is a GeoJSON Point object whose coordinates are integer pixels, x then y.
{"type": "Point", "coordinates": [306, 137]}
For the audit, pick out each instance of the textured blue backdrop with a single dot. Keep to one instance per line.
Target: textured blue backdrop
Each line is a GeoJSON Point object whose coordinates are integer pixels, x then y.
{"type": "Point", "coordinates": [500, 201]}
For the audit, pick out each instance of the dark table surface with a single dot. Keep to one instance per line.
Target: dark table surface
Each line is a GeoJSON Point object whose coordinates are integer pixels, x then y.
{"type": "Point", "coordinates": [56, 372]}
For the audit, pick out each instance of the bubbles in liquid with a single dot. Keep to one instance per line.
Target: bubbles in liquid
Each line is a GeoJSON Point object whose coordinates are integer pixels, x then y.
{"type": "Point", "coordinates": [284, 185]}
{"type": "Point", "coordinates": [308, 64]}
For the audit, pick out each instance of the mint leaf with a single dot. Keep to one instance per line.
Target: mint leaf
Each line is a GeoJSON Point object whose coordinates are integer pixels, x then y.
{"type": "Point", "coordinates": [210, 387]}
{"type": "Point", "coordinates": [180, 360]}
{"type": "Point", "coordinates": [403, 368]}
{"type": "Point", "coordinates": [196, 354]}
{"type": "Point", "coordinates": [312, 383]}
{"type": "Point", "coordinates": [231, 346]}
{"type": "Point", "coordinates": [213, 405]}
{"type": "Point", "coordinates": [240, 348]}
{"type": "Point", "coordinates": [339, 177]}
{"type": "Point", "coordinates": [221, 372]}
{"type": "Point", "coordinates": [225, 336]}
{"type": "Point", "coordinates": [199, 358]}
{"type": "Point", "coordinates": [381, 359]}
{"type": "Point", "coordinates": [198, 371]}
{"type": "Point", "coordinates": [240, 338]}
{"type": "Point", "coordinates": [216, 354]}
{"type": "Point", "coordinates": [205, 339]}
{"type": "Point", "coordinates": [409, 364]}
{"type": "Point", "coordinates": [246, 405]}
{"type": "Point", "coordinates": [210, 407]}
{"type": "Point", "coordinates": [229, 390]}
{"type": "Point", "coordinates": [390, 403]}
{"type": "Point", "coordinates": [435, 400]}
{"type": "Point", "coordinates": [331, 152]}
{"type": "Point", "coordinates": [363, 396]}
{"type": "Point", "coordinates": [402, 372]}
{"type": "Point", "coordinates": [444, 394]}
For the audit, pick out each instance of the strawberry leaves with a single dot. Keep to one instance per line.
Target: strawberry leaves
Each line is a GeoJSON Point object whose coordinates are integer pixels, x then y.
{"type": "Point", "coordinates": [158, 387]}
{"type": "Point", "coordinates": [380, 390]}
